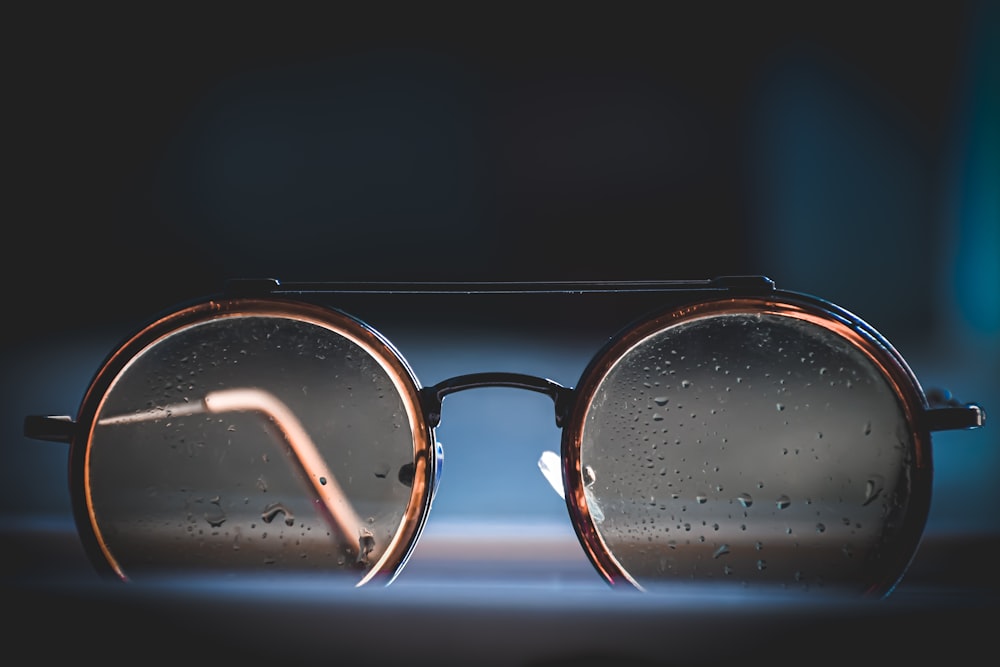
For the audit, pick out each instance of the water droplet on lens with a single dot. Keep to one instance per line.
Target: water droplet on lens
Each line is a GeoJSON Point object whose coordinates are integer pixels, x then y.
{"type": "Point", "coordinates": [274, 510]}
{"type": "Point", "coordinates": [780, 407]}
{"type": "Point", "coordinates": [406, 473]}
{"type": "Point", "coordinates": [820, 528]}
{"type": "Point", "coordinates": [721, 551]}
{"type": "Point", "coordinates": [661, 400]}
{"type": "Point", "coordinates": [745, 499]}
{"type": "Point", "coordinates": [322, 480]}
{"type": "Point", "coordinates": [366, 542]}
{"type": "Point", "coordinates": [216, 517]}
{"type": "Point", "coordinates": [382, 471]}
{"type": "Point", "coordinates": [783, 501]}
{"type": "Point", "coordinates": [873, 489]}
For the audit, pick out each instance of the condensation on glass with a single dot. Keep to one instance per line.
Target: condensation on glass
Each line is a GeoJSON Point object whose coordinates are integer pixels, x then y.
{"type": "Point", "coordinates": [748, 443]}
{"type": "Point", "coordinates": [266, 436]}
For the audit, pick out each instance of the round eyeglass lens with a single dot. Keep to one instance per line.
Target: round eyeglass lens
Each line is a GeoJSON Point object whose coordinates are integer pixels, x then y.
{"type": "Point", "coordinates": [251, 442]}
{"type": "Point", "coordinates": [750, 448]}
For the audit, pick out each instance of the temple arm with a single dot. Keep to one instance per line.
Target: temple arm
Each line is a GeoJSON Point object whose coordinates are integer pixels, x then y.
{"type": "Point", "coordinates": [330, 497]}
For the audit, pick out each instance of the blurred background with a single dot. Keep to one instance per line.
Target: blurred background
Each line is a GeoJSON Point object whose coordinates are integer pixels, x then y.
{"type": "Point", "coordinates": [848, 150]}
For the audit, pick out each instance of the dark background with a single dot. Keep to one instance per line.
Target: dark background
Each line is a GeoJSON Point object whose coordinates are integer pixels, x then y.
{"type": "Point", "coordinates": [157, 153]}
{"type": "Point", "coordinates": [849, 150]}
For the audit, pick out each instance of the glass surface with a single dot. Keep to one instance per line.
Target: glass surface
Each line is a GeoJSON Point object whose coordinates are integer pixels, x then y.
{"type": "Point", "coordinates": [747, 448]}
{"type": "Point", "coordinates": [250, 441]}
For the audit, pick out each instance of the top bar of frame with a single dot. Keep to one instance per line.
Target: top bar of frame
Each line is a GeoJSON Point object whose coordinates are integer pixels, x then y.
{"type": "Point", "coordinates": [254, 286]}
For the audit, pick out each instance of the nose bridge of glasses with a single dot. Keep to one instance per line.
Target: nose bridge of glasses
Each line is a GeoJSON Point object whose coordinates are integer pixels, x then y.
{"type": "Point", "coordinates": [431, 397]}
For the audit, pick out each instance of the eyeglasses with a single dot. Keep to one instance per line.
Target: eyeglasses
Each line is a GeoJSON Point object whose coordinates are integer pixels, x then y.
{"type": "Point", "coordinates": [736, 433]}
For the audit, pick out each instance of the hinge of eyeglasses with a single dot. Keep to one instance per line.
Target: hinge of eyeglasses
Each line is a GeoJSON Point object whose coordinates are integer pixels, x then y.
{"type": "Point", "coordinates": [945, 413]}
{"type": "Point", "coordinates": [59, 428]}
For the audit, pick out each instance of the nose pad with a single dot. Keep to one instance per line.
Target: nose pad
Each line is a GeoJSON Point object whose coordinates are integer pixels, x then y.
{"type": "Point", "coordinates": [438, 467]}
{"type": "Point", "coordinates": [551, 468]}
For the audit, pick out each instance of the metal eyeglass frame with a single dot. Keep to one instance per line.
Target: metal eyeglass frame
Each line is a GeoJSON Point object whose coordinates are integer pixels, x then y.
{"type": "Point", "coordinates": [925, 411]}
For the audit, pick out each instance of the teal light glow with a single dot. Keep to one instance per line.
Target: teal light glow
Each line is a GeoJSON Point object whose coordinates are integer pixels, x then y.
{"type": "Point", "coordinates": [977, 252]}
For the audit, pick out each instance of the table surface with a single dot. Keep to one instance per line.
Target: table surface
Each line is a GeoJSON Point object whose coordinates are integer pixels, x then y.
{"type": "Point", "coordinates": [526, 597]}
